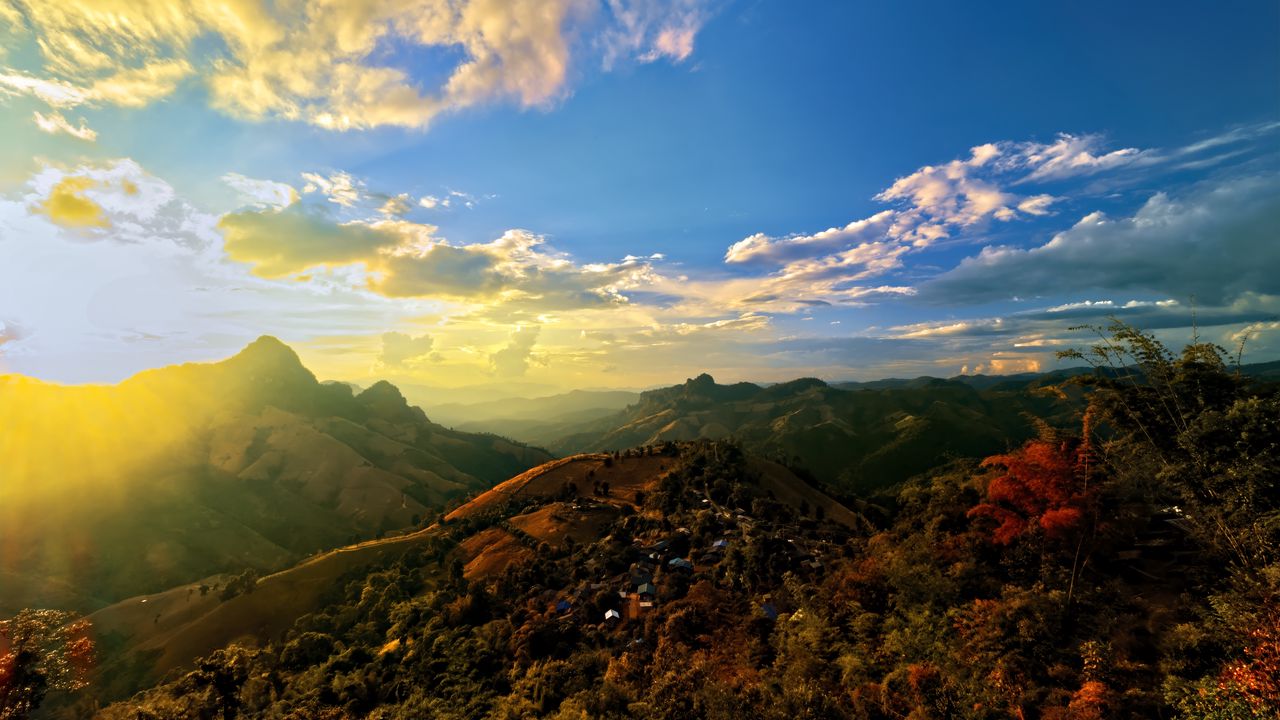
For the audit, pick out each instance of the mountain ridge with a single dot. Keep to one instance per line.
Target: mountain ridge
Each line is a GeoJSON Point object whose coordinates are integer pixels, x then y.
{"type": "Point", "coordinates": [206, 454]}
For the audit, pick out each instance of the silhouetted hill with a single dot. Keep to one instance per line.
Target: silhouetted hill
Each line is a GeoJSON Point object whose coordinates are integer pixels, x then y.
{"type": "Point", "coordinates": [185, 471]}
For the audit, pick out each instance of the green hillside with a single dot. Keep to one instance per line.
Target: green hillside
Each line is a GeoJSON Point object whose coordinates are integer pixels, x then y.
{"type": "Point", "coordinates": [855, 439]}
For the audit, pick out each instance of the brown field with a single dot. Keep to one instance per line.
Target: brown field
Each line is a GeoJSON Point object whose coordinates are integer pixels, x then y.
{"type": "Point", "coordinates": [490, 552]}
{"type": "Point", "coordinates": [552, 522]}
{"type": "Point", "coordinates": [624, 477]}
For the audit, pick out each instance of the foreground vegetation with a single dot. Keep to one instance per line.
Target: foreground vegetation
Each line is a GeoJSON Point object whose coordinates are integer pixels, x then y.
{"type": "Point", "coordinates": [1131, 569]}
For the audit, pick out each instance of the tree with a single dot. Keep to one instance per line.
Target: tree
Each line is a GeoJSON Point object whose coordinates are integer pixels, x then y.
{"type": "Point", "coordinates": [41, 650]}
{"type": "Point", "coordinates": [1042, 488]}
{"type": "Point", "coordinates": [1187, 430]}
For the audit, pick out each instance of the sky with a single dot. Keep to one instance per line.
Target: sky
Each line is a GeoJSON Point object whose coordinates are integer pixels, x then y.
{"type": "Point", "coordinates": [560, 194]}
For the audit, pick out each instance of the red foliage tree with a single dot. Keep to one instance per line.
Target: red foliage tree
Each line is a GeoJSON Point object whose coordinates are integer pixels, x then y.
{"type": "Point", "coordinates": [41, 650]}
{"type": "Point", "coordinates": [1044, 485]}
{"type": "Point", "coordinates": [1256, 677]}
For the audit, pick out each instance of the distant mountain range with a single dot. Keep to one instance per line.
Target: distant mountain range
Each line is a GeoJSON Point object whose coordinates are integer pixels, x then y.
{"type": "Point", "coordinates": [186, 471]}
{"type": "Point", "coordinates": [858, 439]}
{"type": "Point", "coordinates": [856, 436]}
{"type": "Point", "coordinates": [538, 421]}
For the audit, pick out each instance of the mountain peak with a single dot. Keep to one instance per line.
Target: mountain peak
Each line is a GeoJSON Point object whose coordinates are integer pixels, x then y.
{"type": "Point", "coordinates": [385, 401]}
{"type": "Point", "coordinates": [269, 363]}
{"type": "Point", "coordinates": [268, 347]}
{"type": "Point", "coordinates": [703, 380]}
{"type": "Point", "coordinates": [384, 391]}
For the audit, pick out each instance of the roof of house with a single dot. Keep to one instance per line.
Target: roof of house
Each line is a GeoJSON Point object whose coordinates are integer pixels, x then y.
{"type": "Point", "coordinates": [647, 589]}
{"type": "Point", "coordinates": [612, 615]}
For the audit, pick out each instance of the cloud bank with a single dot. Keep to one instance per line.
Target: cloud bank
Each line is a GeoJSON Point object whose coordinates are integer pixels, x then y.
{"type": "Point", "coordinates": [333, 65]}
{"type": "Point", "coordinates": [1214, 243]}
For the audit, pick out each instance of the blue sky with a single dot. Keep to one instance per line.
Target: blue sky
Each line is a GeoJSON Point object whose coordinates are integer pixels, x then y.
{"type": "Point", "coordinates": [628, 193]}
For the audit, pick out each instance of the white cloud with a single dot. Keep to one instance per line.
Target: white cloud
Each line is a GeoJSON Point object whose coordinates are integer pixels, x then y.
{"type": "Point", "coordinates": [340, 187]}
{"type": "Point", "coordinates": [55, 93]}
{"type": "Point", "coordinates": [959, 194]}
{"type": "Point", "coordinates": [468, 201]}
{"type": "Point", "coordinates": [1036, 204]}
{"type": "Point", "coordinates": [398, 258]}
{"type": "Point", "coordinates": [448, 198]}
{"type": "Point", "coordinates": [396, 205]}
{"type": "Point", "coordinates": [128, 87]}
{"type": "Point", "coordinates": [761, 247]}
{"type": "Point", "coordinates": [965, 197]}
{"type": "Point", "coordinates": [134, 205]}
{"type": "Point", "coordinates": [1027, 339]}
{"type": "Point", "coordinates": [55, 123]}
{"type": "Point", "coordinates": [399, 349]}
{"type": "Point", "coordinates": [652, 29]}
{"type": "Point", "coordinates": [675, 39]}
{"type": "Point", "coordinates": [264, 192]}
{"type": "Point", "coordinates": [513, 359]}
{"type": "Point", "coordinates": [933, 203]}
{"type": "Point", "coordinates": [1069, 156]}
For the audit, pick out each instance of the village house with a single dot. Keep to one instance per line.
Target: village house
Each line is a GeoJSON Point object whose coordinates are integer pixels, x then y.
{"type": "Point", "coordinates": [680, 564]}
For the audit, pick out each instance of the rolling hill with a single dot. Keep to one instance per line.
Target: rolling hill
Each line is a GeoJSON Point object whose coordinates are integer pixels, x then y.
{"type": "Point", "coordinates": [496, 533]}
{"type": "Point", "coordinates": [182, 472]}
{"type": "Point", "coordinates": [859, 439]}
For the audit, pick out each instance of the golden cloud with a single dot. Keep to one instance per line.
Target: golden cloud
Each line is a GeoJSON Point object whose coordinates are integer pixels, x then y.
{"type": "Point", "coordinates": [293, 239]}
{"type": "Point", "coordinates": [319, 62]}
{"type": "Point", "coordinates": [407, 260]}
{"type": "Point", "coordinates": [67, 205]}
